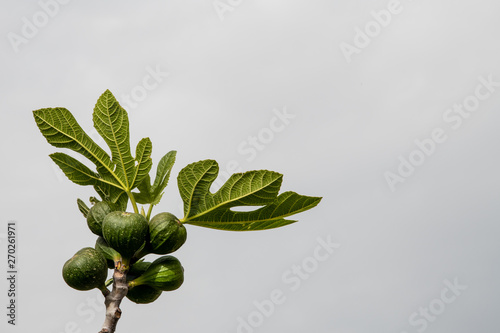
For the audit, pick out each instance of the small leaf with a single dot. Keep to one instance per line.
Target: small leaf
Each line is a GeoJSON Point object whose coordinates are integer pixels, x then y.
{"type": "Point", "coordinates": [144, 162]}
{"type": "Point", "coordinates": [151, 194]}
{"type": "Point", "coordinates": [145, 195]}
{"type": "Point", "coordinates": [82, 207]}
{"type": "Point", "coordinates": [162, 175]}
{"type": "Point", "coordinates": [252, 188]}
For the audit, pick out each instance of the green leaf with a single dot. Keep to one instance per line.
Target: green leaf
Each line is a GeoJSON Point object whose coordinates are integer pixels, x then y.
{"type": "Point", "coordinates": [143, 159]}
{"type": "Point", "coordinates": [111, 122]}
{"type": "Point", "coordinates": [82, 207]}
{"type": "Point", "coordinates": [267, 217]}
{"type": "Point", "coordinates": [61, 130]}
{"type": "Point", "coordinates": [76, 171]}
{"type": "Point", "coordinates": [116, 175]}
{"type": "Point", "coordinates": [152, 194]}
{"type": "Point", "coordinates": [252, 188]}
{"type": "Point", "coordinates": [194, 183]}
{"type": "Point", "coordinates": [144, 196]}
{"type": "Point", "coordinates": [162, 175]}
{"type": "Point", "coordinates": [113, 194]}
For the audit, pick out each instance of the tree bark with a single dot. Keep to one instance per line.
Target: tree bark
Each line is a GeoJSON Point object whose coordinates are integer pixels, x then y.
{"type": "Point", "coordinates": [114, 298]}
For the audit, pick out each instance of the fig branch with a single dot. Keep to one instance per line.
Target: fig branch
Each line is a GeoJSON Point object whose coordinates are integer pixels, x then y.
{"type": "Point", "coordinates": [114, 298]}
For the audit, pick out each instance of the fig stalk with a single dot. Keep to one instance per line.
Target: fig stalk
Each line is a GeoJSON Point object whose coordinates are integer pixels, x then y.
{"type": "Point", "coordinates": [114, 298]}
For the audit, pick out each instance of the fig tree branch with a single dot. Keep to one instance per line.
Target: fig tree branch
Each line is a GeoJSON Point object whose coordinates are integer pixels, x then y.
{"type": "Point", "coordinates": [114, 298]}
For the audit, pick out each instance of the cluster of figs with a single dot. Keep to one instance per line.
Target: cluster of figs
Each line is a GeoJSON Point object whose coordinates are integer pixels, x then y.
{"type": "Point", "coordinates": [124, 238]}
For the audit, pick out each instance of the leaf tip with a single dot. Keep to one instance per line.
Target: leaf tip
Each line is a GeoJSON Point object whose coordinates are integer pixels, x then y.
{"type": "Point", "coordinates": [36, 113]}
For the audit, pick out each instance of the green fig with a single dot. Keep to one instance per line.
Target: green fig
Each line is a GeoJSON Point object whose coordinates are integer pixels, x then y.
{"type": "Point", "coordinates": [96, 215]}
{"type": "Point", "coordinates": [166, 234]}
{"type": "Point", "coordinates": [86, 270]}
{"type": "Point", "coordinates": [142, 294]}
{"type": "Point", "coordinates": [165, 273]}
{"type": "Point", "coordinates": [125, 232]}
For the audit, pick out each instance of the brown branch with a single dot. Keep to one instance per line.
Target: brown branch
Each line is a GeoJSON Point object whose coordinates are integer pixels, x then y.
{"type": "Point", "coordinates": [114, 298]}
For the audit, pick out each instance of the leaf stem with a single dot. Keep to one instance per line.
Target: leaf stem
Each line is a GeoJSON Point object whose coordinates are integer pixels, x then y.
{"type": "Point", "coordinates": [132, 200]}
{"type": "Point", "coordinates": [149, 212]}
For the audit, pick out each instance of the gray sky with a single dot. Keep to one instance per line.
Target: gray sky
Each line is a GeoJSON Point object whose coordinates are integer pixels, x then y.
{"type": "Point", "coordinates": [386, 109]}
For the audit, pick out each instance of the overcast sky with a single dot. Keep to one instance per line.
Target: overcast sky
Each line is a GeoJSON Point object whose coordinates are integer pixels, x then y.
{"type": "Point", "coordinates": [386, 109]}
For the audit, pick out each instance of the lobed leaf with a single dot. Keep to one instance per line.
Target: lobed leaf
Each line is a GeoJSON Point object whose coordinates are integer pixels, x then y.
{"type": "Point", "coordinates": [116, 175]}
{"type": "Point", "coordinates": [111, 122]}
{"type": "Point", "coordinates": [61, 130]}
{"type": "Point", "coordinates": [252, 188]}
{"type": "Point", "coordinates": [267, 217]}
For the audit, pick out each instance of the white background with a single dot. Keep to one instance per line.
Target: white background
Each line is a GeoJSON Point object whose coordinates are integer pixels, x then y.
{"type": "Point", "coordinates": [353, 120]}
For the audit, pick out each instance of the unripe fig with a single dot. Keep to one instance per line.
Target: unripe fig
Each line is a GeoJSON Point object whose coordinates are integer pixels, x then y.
{"type": "Point", "coordinates": [142, 294]}
{"type": "Point", "coordinates": [125, 232]}
{"type": "Point", "coordinates": [86, 270]}
{"type": "Point", "coordinates": [165, 273]}
{"type": "Point", "coordinates": [96, 215]}
{"type": "Point", "coordinates": [107, 252]}
{"type": "Point", "coordinates": [166, 233]}
{"type": "Point", "coordinates": [137, 269]}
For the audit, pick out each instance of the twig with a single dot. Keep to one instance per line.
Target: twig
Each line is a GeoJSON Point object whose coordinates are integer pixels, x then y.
{"type": "Point", "coordinates": [113, 299]}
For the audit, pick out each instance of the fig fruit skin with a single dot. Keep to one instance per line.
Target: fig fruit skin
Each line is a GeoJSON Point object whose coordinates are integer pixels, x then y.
{"type": "Point", "coordinates": [96, 215]}
{"type": "Point", "coordinates": [137, 269]}
{"type": "Point", "coordinates": [165, 273]}
{"type": "Point", "coordinates": [125, 232]}
{"type": "Point", "coordinates": [143, 294]}
{"type": "Point", "coordinates": [86, 270]}
{"type": "Point", "coordinates": [166, 234]}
